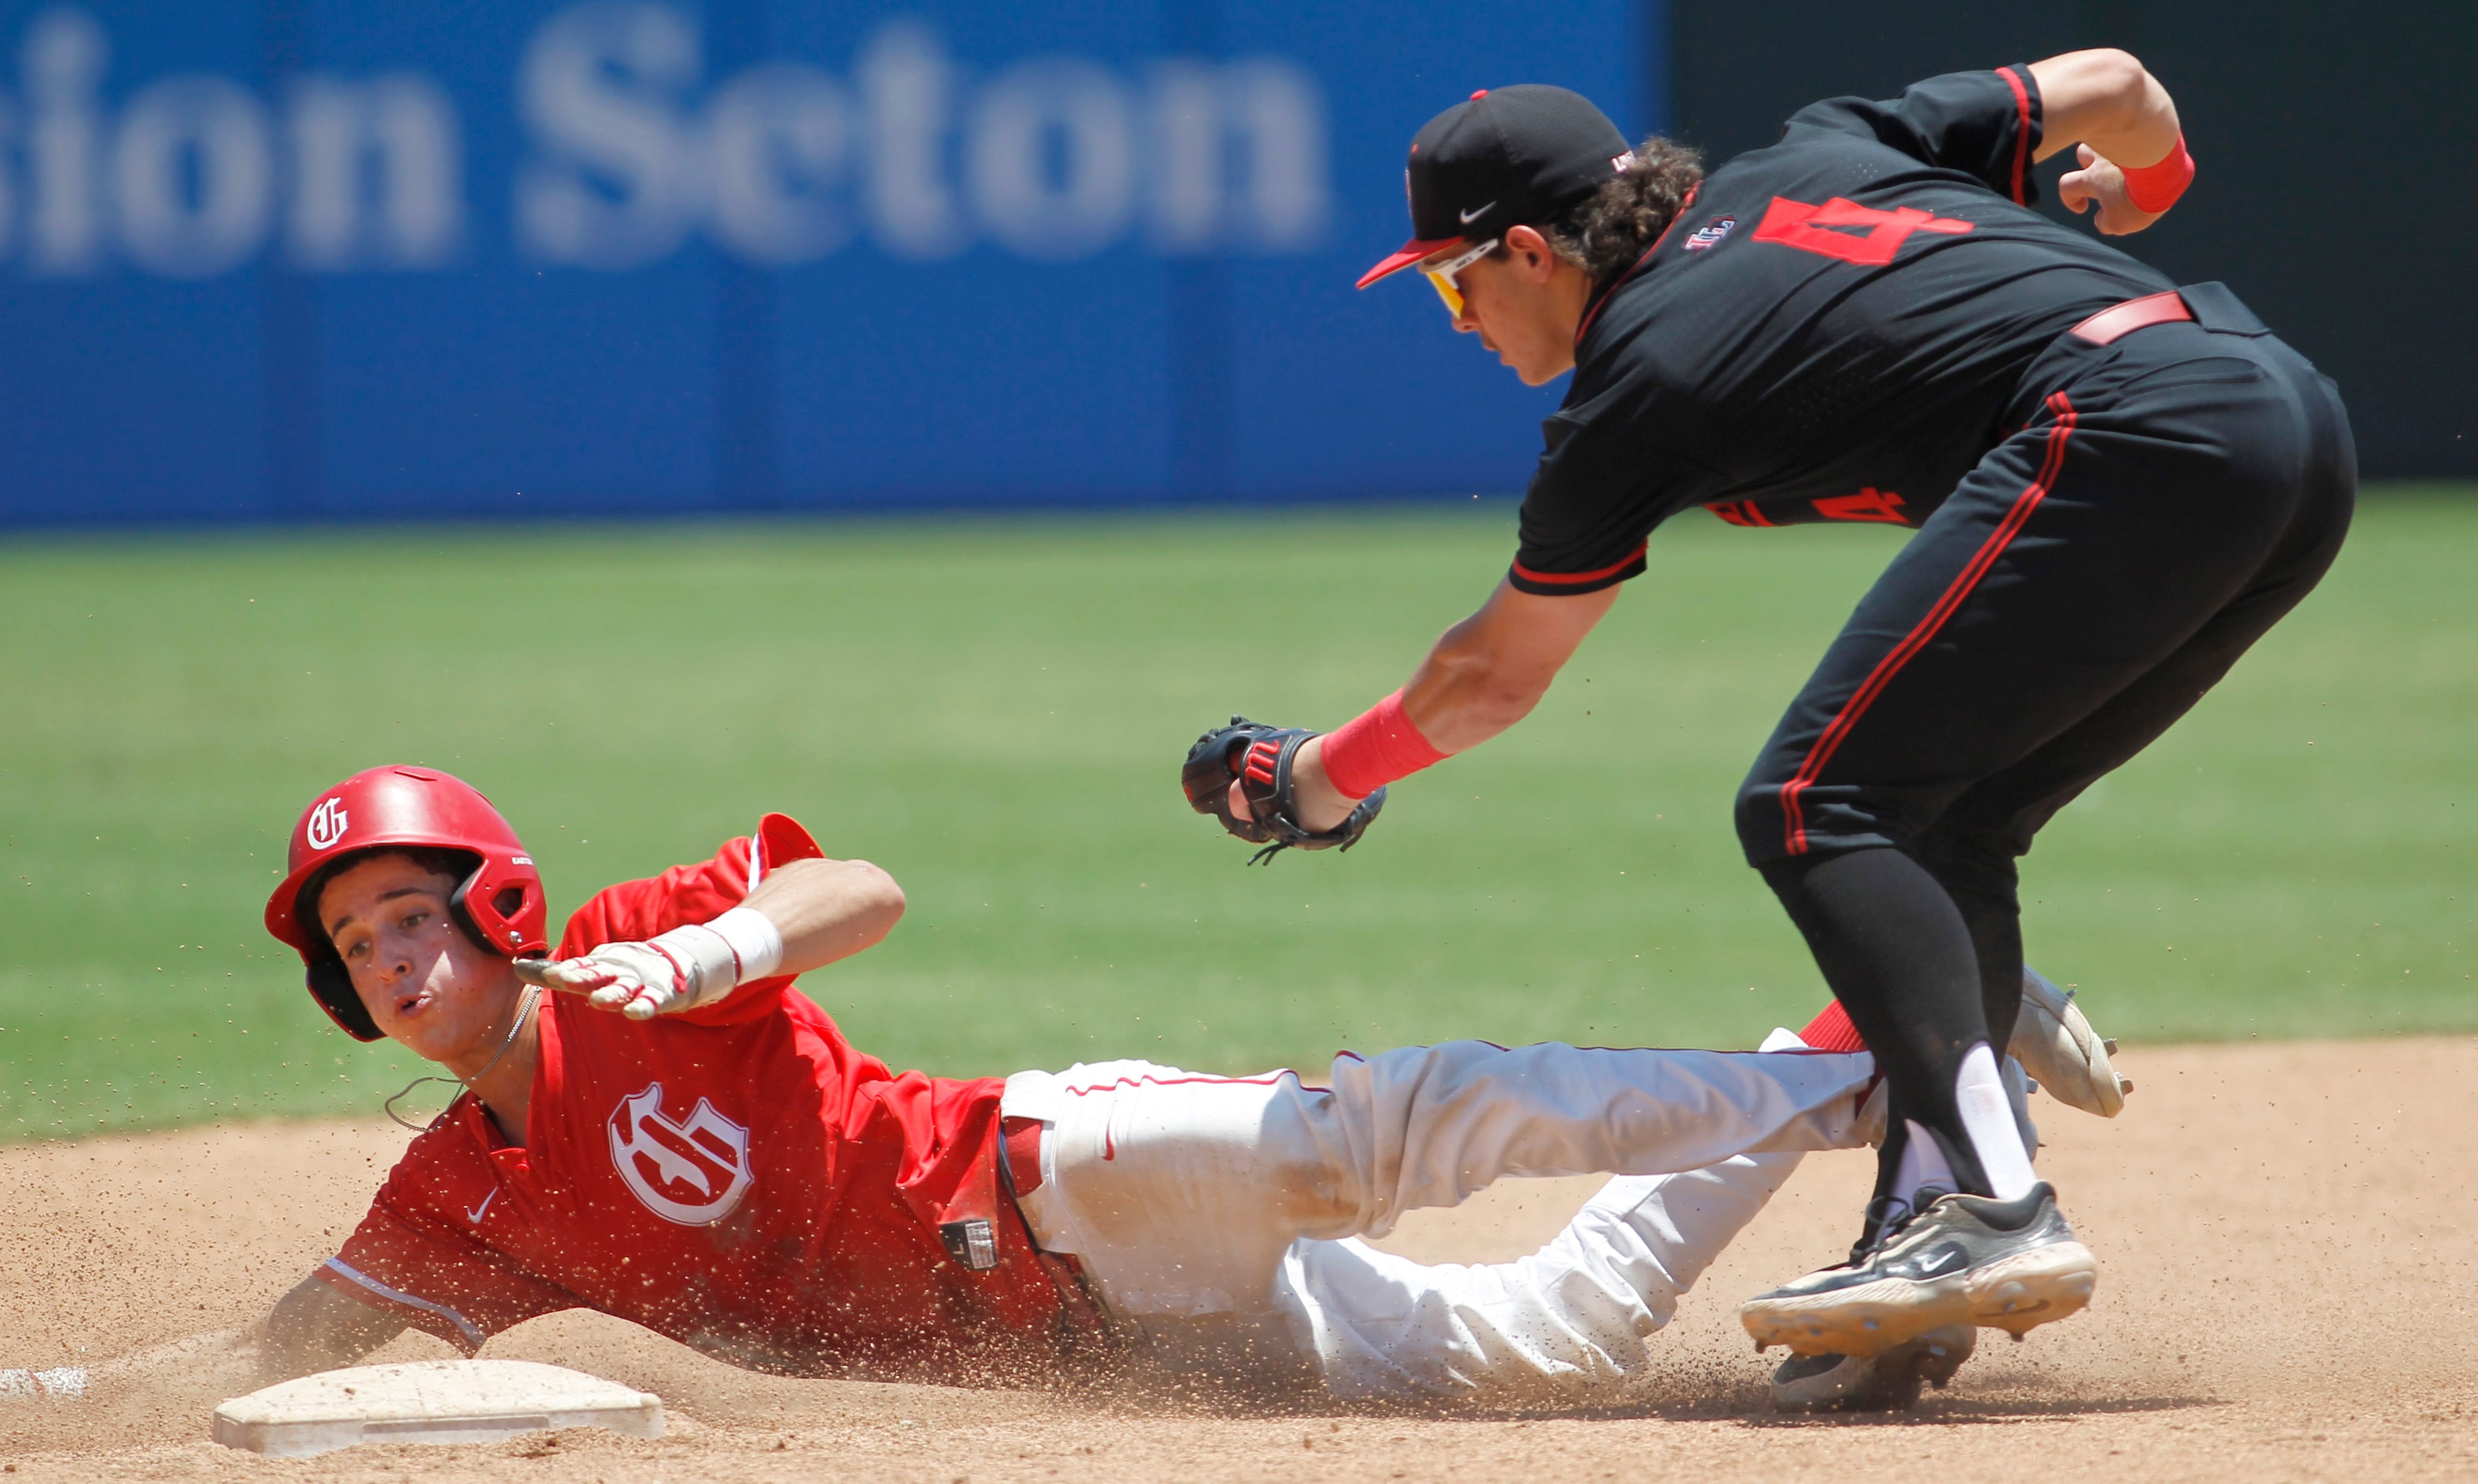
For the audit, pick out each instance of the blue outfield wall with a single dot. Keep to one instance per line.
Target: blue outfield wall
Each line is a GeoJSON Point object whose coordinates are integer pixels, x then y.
{"type": "Point", "coordinates": [301, 260]}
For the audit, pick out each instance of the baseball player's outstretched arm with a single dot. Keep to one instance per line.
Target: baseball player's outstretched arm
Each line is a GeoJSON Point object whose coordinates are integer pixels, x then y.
{"type": "Point", "coordinates": [804, 915]}
{"type": "Point", "coordinates": [827, 910]}
{"type": "Point", "coordinates": [2124, 123]}
{"type": "Point", "coordinates": [316, 1328]}
{"type": "Point", "coordinates": [312, 1328]}
{"type": "Point", "coordinates": [1484, 675]}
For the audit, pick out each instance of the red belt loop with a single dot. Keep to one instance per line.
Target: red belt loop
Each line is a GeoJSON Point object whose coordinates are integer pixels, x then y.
{"type": "Point", "coordinates": [1022, 1137]}
{"type": "Point", "coordinates": [2122, 320]}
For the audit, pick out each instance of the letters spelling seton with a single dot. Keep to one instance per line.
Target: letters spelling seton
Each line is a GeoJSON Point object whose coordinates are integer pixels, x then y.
{"type": "Point", "coordinates": [626, 152]}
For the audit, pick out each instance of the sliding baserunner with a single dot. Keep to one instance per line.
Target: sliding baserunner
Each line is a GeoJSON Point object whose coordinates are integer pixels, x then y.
{"type": "Point", "coordinates": [2117, 485]}
{"type": "Point", "coordinates": [671, 1134]}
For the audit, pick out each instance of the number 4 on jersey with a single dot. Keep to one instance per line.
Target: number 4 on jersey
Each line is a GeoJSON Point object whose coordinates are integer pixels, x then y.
{"type": "Point", "coordinates": [1823, 229]}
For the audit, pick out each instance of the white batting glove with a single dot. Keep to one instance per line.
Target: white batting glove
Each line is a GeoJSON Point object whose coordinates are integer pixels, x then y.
{"type": "Point", "coordinates": [678, 970]}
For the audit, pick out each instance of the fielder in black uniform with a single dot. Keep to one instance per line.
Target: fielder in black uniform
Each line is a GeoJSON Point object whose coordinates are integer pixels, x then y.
{"type": "Point", "coordinates": [2118, 485]}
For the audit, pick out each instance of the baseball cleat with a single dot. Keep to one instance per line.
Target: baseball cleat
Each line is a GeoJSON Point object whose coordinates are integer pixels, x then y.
{"type": "Point", "coordinates": [2009, 1265]}
{"type": "Point", "coordinates": [2061, 1051]}
{"type": "Point", "coordinates": [1884, 1382]}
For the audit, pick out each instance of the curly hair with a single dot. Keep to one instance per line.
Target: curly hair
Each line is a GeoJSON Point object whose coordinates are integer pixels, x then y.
{"type": "Point", "coordinates": [1606, 234]}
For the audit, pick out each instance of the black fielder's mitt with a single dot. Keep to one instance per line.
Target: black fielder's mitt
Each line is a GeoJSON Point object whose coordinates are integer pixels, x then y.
{"type": "Point", "coordinates": [1260, 757]}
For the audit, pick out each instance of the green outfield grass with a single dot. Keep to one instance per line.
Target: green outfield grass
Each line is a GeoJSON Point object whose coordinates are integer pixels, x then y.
{"type": "Point", "coordinates": [995, 710]}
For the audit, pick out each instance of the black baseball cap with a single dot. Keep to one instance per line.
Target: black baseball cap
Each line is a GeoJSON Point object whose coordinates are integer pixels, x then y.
{"type": "Point", "coordinates": [1504, 157]}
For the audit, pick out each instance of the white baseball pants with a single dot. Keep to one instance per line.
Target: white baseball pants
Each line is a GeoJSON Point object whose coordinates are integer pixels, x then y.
{"type": "Point", "coordinates": [1187, 1197]}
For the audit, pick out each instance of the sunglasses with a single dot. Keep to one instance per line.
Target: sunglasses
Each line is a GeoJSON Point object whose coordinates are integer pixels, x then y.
{"type": "Point", "coordinates": [1441, 277]}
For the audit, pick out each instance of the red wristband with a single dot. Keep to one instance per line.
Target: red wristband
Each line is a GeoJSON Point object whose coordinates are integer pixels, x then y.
{"type": "Point", "coordinates": [2155, 187]}
{"type": "Point", "coordinates": [1364, 755]}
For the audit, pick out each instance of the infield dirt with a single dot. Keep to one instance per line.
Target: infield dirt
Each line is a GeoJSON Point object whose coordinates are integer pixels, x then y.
{"type": "Point", "coordinates": [2289, 1239]}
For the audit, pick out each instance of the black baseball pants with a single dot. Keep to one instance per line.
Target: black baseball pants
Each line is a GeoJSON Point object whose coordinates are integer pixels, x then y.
{"type": "Point", "coordinates": [2165, 500]}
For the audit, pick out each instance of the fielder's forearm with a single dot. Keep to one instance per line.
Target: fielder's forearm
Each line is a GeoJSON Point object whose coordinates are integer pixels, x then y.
{"type": "Point", "coordinates": [1484, 675]}
{"type": "Point", "coordinates": [1487, 673]}
{"type": "Point", "coordinates": [2108, 100]}
{"type": "Point", "coordinates": [1473, 686]}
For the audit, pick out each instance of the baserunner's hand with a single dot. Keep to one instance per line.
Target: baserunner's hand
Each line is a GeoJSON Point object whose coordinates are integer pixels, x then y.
{"type": "Point", "coordinates": [641, 980]}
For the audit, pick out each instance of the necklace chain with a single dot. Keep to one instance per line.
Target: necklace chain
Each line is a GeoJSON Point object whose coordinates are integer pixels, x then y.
{"type": "Point", "coordinates": [533, 996]}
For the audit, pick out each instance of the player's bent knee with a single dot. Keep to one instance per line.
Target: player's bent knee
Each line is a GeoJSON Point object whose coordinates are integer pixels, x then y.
{"type": "Point", "coordinates": [1757, 813]}
{"type": "Point", "coordinates": [1982, 858]}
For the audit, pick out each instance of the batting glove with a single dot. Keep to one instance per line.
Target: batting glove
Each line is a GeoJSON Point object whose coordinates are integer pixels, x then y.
{"type": "Point", "coordinates": [681, 969]}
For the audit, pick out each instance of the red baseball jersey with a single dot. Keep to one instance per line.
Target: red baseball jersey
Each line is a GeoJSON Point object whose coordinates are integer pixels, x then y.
{"type": "Point", "coordinates": [736, 1177]}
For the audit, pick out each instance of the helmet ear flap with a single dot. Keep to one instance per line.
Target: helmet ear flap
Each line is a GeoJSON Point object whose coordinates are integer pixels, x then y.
{"type": "Point", "coordinates": [488, 907]}
{"type": "Point", "coordinates": [458, 909]}
{"type": "Point", "coordinates": [332, 986]}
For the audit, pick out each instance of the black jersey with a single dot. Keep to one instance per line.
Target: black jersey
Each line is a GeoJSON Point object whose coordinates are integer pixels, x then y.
{"type": "Point", "coordinates": [1833, 328]}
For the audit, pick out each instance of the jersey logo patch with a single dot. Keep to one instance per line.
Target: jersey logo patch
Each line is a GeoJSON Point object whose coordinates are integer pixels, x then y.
{"type": "Point", "coordinates": [1843, 229]}
{"type": "Point", "coordinates": [691, 1174]}
{"type": "Point", "coordinates": [1709, 235]}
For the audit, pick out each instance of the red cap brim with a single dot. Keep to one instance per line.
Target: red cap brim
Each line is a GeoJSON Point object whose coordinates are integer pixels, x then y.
{"type": "Point", "coordinates": [1407, 255]}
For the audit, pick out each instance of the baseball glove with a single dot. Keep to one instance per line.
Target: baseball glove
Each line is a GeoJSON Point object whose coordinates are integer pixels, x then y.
{"type": "Point", "coordinates": [1260, 758]}
{"type": "Point", "coordinates": [2055, 1044]}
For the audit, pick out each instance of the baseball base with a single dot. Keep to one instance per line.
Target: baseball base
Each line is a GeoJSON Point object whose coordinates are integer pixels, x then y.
{"type": "Point", "coordinates": [429, 1401]}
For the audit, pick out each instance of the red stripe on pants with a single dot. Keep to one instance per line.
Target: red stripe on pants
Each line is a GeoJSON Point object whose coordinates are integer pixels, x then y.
{"type": "Point", "coordinates": [1830, 742]}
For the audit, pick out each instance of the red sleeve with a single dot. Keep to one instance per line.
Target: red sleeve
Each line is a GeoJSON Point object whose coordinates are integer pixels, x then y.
{"type": "Point", "coordinates": [416, 1262]}
{"type": "Point", "coordinates": [634, 911]}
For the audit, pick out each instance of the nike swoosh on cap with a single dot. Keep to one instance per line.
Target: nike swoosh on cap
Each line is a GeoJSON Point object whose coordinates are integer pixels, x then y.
{"type": "Point", "coordinates": [1476, 214]}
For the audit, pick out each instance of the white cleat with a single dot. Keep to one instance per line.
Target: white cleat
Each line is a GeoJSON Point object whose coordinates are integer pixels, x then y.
{"type": "Point", "coordinates": [2009, 1265]}
{"type": "Point", "coordinates": [2061, 1051]}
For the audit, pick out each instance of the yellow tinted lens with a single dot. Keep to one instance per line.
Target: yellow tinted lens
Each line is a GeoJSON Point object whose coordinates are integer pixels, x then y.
{"type": "Point", "coordinates": [1447, 291]}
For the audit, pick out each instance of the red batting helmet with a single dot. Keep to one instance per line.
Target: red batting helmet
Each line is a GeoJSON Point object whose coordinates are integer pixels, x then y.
{"type": "Point", "coordinates": [499, 906]}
